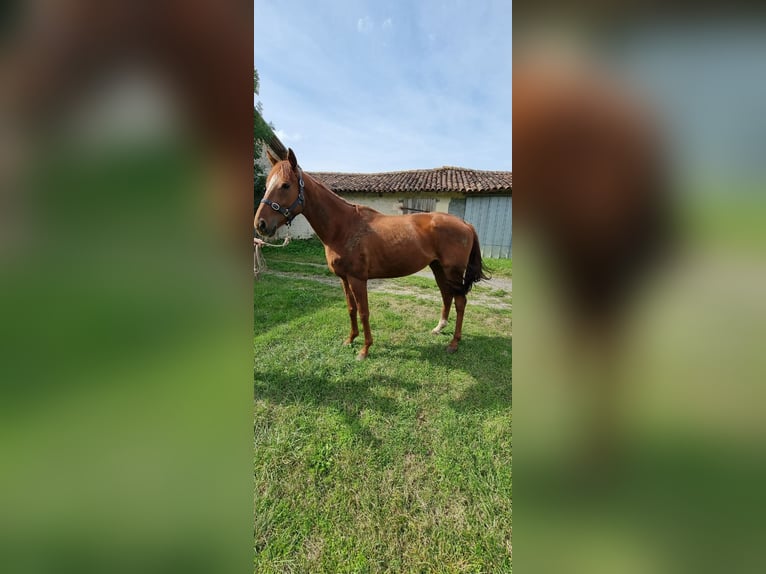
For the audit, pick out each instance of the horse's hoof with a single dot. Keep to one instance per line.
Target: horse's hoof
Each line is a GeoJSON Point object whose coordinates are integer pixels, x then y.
{"type": "Point", "coordinates": [451, 349]}
{"type": "Point", "coordinates": [361, 356]}
{"type": "Point", "coordinates": [438, 329]}
{"type": "Point", "coordinates": [347, 342]}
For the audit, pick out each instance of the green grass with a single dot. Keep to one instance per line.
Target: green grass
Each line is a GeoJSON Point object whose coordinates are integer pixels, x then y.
{"type": "Point", "coordinates": [420, 283]}
{"type": "Point", "coordinates": [500, 268]}
{"type": "Point", "coordinates": [400, 463]}
{"type": "Point", "coordinates": [288, 266]}
{"type": "Point", "coordinates": [301, 250]}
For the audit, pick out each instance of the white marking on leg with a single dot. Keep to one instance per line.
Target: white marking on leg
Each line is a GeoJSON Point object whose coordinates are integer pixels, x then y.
{"type": "Point", "coordinates": [439, 327]}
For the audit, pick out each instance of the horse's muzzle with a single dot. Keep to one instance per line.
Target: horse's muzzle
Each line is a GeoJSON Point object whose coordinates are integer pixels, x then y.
{"type": "Point", "coordinates": [263, 228]}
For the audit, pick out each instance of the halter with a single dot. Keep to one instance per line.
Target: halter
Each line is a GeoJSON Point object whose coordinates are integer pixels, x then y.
{"type": "Point", "coordinates": [288, 211]}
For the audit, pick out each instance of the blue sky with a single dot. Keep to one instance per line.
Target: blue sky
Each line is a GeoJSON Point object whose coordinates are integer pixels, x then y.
{"type": "Point", "coordinates": [368, 86]}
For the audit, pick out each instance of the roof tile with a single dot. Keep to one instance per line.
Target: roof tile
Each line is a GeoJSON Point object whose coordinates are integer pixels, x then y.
{"type": "Point", "coordinates": [445, 179]}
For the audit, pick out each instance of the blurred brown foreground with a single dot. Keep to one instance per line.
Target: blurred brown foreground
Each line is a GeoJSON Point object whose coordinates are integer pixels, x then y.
{"type": "Point", "coordinates": [639, 282]}
{"type": "Point", "coordinates": [125, 287]}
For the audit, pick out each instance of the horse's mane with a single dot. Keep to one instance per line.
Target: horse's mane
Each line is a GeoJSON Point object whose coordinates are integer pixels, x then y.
{"type": "Point", "coordinates": [323, 186]}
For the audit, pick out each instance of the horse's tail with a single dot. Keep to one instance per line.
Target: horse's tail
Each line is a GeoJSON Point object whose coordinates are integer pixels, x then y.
{"type": "Point", "coordinates": [476, 270]}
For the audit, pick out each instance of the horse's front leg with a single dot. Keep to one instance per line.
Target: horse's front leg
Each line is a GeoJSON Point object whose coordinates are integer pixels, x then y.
{"type": "Point", "coordinates": [351, 303]}
{"type": "Point", "coordinates": [359, 291]}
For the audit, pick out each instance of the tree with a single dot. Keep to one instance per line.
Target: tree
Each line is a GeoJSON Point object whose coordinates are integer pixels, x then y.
{"type": "Point", "coordinates": [256, 91]}
{"type": "Point", "coordinates": [262, 131]}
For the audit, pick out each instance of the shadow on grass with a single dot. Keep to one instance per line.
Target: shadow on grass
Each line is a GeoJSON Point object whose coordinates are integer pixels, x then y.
{"type": "Point", "coordinates": [351, 397]}
{"type": "Point", "coordinates": [488, 360]}
{"type": "Point", "coordinates": [308, 370]}
{"type": "Point", "coordinates": [273, 305]}
{"type": "Point", "coordinates": [302, 372]}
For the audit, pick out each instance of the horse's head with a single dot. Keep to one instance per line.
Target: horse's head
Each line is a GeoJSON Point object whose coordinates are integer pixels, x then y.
{"type": "Point", "coordinates": [283, 199]}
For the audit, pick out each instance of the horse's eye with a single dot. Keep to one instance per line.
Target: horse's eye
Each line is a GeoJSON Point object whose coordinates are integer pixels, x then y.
{"type": "Point", "coordinates": [285, 185]}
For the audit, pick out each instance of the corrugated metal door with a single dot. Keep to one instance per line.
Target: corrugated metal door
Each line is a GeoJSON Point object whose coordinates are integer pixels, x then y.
{"type": "Point", "coordinates": [491, 216]}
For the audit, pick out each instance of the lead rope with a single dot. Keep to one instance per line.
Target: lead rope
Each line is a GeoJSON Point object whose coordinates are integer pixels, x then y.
{"type": "Point", "coordinates": [259, 263]}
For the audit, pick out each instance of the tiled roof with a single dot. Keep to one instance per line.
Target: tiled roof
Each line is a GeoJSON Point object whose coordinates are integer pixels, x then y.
{"type": "Point", "coordinates": [445, 179]}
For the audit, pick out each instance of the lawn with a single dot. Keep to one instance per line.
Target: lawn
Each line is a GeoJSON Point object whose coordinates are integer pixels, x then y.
{"type": "Point", "coordinates": [400, 463]}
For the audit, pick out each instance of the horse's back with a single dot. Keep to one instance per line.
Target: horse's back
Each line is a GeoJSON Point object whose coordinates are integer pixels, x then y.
{"type": "Point", "coordinates": [429, 230]}
{"type": "Point", "coordinates": [404, 244]}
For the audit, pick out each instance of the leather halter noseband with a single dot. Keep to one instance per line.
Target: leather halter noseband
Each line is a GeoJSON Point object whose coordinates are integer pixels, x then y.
{"type": "Point", "coordinates": [288, 211]}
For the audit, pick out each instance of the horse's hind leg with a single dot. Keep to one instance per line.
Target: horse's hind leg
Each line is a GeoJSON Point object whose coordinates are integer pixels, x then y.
{"type": "Point", "coordinates": [441, 281]}
{"type": "Point", "coordinates": [454, 277]}
{"type": "Point", "coordinates": [460, 301]}
{"type": "Point", "coordinates": [351, 303]}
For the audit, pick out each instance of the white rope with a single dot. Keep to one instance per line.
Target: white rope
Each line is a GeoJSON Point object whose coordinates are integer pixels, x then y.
{"type": "Point", "coordinates": [260, 242]}
{"type": "Point", "coordinates": [259, 263]}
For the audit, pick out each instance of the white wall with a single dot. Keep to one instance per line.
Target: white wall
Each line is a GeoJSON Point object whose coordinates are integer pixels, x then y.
{"type": "Point", "coordinates": [384, 203]}
{"type": "Point", "coordinates": [299, 229]}
{"type": "Point", "coordinates": [389, 203]}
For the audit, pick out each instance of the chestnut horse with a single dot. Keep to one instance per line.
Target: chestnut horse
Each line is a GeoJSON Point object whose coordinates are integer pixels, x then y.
{"type": "Point", "coordinates": [361, 243]}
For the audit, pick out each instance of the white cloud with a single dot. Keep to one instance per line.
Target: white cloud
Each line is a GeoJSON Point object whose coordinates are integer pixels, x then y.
{"type": "Point", "coordinates": [401, 106]}
{"type": "Point", "coordinates": [285, 137]}
{"type": "Point", "coordinates": [364, 25]}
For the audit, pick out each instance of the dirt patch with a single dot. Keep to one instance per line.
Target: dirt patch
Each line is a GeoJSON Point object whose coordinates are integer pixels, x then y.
{"type": "Point", "coordinates": [482, 294]}
{"type": "Point", "coordinates": [494, 283]}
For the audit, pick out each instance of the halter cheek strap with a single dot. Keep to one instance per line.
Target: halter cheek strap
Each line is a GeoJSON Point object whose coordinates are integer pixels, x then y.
{"type": "Point", "coordinates": [288, 211]}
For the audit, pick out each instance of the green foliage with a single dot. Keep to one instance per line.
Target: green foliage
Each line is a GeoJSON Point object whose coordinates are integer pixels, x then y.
{"type": "Point", "coordinates": [256, 91]}
{"type": "Point", "coordinates": [262, 131]}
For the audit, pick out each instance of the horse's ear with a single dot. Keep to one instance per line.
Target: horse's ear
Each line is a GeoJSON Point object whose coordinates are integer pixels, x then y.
{"type": "Point", "coordinates": [291, 158]}
{"type": "Point", "coordinates": [272, 158]}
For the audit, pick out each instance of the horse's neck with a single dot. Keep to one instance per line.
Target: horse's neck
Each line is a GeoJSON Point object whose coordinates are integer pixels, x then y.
{"type": "Point", "coordinates": [328, 214]}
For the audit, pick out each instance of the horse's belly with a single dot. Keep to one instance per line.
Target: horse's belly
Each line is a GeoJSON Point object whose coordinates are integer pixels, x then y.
{"type": "Point", "coordinates": [398, 263]}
